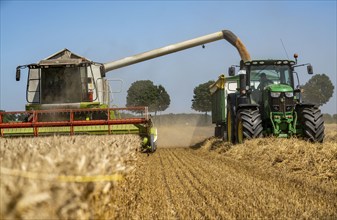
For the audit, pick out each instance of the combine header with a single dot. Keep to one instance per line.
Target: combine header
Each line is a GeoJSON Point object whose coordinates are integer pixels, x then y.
{"type": "Point", "coordinates": [69, 94]}
{"type": "Point", "coordinates": [75, 121]}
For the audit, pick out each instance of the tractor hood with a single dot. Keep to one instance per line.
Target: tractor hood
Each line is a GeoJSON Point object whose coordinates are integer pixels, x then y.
{"type": "Point", "coordinates": [279, 88]}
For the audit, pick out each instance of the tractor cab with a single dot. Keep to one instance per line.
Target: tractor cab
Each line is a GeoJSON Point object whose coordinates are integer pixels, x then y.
{"type": "Point", "coordinates": [268, 77]}
{"type": "Point", "coordinates": [271, 83]}
{"type": "Point", "coordinates": [268, 102]}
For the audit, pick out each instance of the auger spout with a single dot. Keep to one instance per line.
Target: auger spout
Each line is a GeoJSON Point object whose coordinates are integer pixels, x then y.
{"type": "Point", "coordinates": [225, 34]}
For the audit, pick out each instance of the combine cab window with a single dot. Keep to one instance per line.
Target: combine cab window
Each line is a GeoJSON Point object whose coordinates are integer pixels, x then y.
{"type": "Point", "coordinates": [33, 88]}
{"type": "Point", "coordinates": [63, 84]}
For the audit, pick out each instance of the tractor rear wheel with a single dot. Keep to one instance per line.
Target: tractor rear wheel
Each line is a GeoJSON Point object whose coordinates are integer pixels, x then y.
{"type": "Point", "coordinates": [312, 123]}
{"type": "Point", "coordinates": [248, 125]}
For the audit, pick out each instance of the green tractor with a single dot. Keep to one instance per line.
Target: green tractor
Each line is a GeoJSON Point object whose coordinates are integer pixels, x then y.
{"type": "Point", "coordinates": [262, 100]}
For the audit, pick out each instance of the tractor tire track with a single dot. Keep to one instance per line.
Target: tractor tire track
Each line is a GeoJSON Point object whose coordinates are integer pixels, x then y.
{"type": "Point", "coordinates": [189, 194]}
{"type": "Point", "coordinates": [190, 182]}
{"type": "Point", "coordinates": [216, 186]}
{"type": "Point", "coordinates": [168, 190]}
{"type": "Point", "coordinates": [204, 190]}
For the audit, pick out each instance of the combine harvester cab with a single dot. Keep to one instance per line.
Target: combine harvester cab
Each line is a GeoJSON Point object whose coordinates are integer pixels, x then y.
{"type": "Point", "coordinates": [68, 94]}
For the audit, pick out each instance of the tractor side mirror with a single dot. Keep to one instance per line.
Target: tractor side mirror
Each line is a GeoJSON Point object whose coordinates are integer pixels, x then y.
{"type": "Point", "coordinates": [231, 71]}
{"type": "Point", "coordinates": [310, 69]}
{"type": "Point", "coordinates": [18, 73]}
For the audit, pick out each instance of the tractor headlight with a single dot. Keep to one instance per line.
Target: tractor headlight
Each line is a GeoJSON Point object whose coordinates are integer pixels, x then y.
{"type": "Point", "coordinates": [289, 94]}
{"type": "Point", "coordinates": [275, 94]}
{"type": "Point", "coordinates": [289, 108]}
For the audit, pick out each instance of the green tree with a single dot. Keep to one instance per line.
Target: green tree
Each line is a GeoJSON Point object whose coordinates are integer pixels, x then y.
{"type": "Point", "coordinates": [4, 119]}
{"type": "Point", "coordinates": [145, 93]}
{"type": "Point", "coordinates": [201, 101]}
{"type": "Point", "coordinates": [318, 90]}
{"type": "Point", "coordinates": [163, 99]}
{"type": "Point", "coordinates": [13, 117]}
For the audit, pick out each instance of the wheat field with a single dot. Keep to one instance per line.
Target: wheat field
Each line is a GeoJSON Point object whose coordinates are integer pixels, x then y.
{"type": "Point", "coordinates": [42, 195]}
{"type": "Point", "coordinates": [265, 178]}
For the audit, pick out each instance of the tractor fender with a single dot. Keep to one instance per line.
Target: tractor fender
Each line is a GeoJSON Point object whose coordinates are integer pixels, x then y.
{"type": "Point", "coordinates": [304, 105]}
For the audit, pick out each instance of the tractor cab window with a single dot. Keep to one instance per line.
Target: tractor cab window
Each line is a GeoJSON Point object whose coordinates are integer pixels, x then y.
{"type": "Point", "coordinates": [264, 75]}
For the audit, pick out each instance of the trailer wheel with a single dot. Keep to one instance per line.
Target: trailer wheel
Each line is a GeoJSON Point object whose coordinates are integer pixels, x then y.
{"type": "Point", "coordinates": [217, 132]}
{"type": "Point", "coordinates": [224, 132]}
{"type": "Point", "coordinates": [230, 125]}
{"type": "Point", "coordinates": [312, 123]}
{"type": "Point", "coordinates": [248, 125]}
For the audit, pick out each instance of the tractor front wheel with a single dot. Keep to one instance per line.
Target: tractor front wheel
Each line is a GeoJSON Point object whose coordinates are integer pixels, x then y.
{"type": "Point", "coordinates": [312, 123]}
{"type": "Point", "coordinates": [248, 125]}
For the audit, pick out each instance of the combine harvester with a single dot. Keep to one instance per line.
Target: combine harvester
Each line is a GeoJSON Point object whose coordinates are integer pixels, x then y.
{"type": "Point", "coordinates": [68, 94]}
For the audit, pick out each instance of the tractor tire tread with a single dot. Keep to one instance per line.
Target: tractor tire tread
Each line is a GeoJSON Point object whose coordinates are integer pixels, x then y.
{"type": "Point", "coordinates": [251, 123]}
{"type": "Point", "coordinates": [313, 124]}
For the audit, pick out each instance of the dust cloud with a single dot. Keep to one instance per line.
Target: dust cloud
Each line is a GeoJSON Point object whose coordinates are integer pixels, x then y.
{"type": "Point", "coordinates": [183, 130]}
{"type": "Point", "coordinates": [182, 136]}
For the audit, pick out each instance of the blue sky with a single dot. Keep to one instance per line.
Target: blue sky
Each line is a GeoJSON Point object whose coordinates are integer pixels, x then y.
{"type": "Point", "coordinates": [104, 31]}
